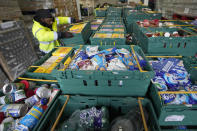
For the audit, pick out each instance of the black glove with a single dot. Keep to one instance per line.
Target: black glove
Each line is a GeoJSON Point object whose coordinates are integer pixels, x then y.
{"type": "Point", "coordinates": [64, 35]}
{"type": "Point", "coordinates": [73, 20]}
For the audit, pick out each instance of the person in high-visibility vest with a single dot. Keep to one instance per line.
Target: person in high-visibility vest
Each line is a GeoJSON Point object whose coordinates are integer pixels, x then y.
{"type": "Point", "coordinates": [45, 29]}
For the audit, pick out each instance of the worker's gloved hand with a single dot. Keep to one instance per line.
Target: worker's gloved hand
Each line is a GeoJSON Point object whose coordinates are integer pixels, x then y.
{"type": "Point", "coordinates": [65, 35]}
{"type": "Point", "coordinates": [73, 20]}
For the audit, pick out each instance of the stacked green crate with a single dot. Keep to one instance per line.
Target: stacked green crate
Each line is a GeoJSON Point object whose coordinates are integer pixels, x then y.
{"type": "Point", "coordinates": [116, 105]}
{"type": "Point", "coordinates": [43, 68]}
{"type": "Point", "coordinates": [96, 23]}
{"type": "Point", "coordinates": [182, 45]}
{"type": "Point", "coordinates": [107, 83]}
{"type": "Point", "coordinates": [175, 114]}
{"type": "Point", "coordinates": [100, 12]}
{"type": "Point", "coordinates": [135, 15]}
{"type": "Point", "coordinates": [79, 38]}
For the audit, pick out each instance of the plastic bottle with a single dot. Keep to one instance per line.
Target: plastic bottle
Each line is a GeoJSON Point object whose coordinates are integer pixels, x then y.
{"type": "Point", "coordinates": [32, 117]}
{"type": "Point", "coordinates": [7, 99]}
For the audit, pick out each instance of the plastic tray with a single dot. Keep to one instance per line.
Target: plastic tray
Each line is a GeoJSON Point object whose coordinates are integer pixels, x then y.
{"type": "Point", "coordinates": [106, 83]}
{"type": "Point", "coordinates": [116, 106]}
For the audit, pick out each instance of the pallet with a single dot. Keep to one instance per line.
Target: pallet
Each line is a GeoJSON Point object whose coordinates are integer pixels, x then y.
{"type": "Point", "coordinates": [9, 10]}
{"type": "Point", "coordinates": [16, 50]}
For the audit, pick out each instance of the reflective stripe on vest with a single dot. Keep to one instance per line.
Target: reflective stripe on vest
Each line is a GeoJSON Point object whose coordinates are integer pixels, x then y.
{"type": "Point", "coordinates": [44, 51]}
{"type": "Point", "coordinates": [46, 43]}
{"type": "Point", "coordinates": [57, 19]}
{"type": "Point", "coordinates": [38, 31]}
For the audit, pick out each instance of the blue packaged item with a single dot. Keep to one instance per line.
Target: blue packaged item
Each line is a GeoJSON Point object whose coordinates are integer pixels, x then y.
{"type": "Point", "coordinates": [141, 60]}
{"type": "Point", "coordinates": [81, 55]}
{"type": "Point", "coordinates": [109, 57]}
{"type": "Point", "coordinates": [168, 98]}
{"type": "Point", "coordinates": [99, 62]}
{"type": "Point", "coordinates": [160, 83]}
{"type": "Point", "coordinates": [181, 99]}
{"type": "Point", "coordinates": [171, 82]}
{"type": "Point", "coordinates": [21, 128]}
{"type": "Point", "coordinates": [32, 117]}
{"type": "Point", "coordinates": [181, 76]}
{"type": "Point", "coordinates": [109, 51]}
{"type": "Point", "coordinates": [43, 101]}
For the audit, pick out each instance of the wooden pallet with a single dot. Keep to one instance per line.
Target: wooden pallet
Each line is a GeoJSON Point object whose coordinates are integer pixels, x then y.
{"type": "Point", "coordinates": [66, 8]}
{"type": "Point", "coordinates": [9, 10]}
{"type": "Point", "coordinates": [16, 50]}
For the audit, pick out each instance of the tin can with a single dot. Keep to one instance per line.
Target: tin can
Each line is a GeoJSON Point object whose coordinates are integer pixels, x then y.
{"type": "Point", "coordinates": [32, 117]}
{"type": "Point", "coordinates": [29, 84]}
{"type": "Point", "coordinates": [12, 87]}
{"type": "Point", "coordinates": [43, 92]}
{"type": "Point", "coordinates": [14, 110]}
{"type": "Point", "coordinates": [7, 99]}
{"type": "Point", "coordinates": [31, 100]}
{"type": "Point", "coordinates": [21, 128]}
{"type": "Point", "coordinates": [19, 95]}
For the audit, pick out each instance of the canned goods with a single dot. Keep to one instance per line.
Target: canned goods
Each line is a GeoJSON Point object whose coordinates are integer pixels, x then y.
{"type": "Point", "coordinates": [43, 92]}
{"type": "Point", "coordinates": [7, 99]}
{"type": "Point", "coordinates": [19, 95]}
{"type": "Point", "coordinates": [32, 117]}
{"type": "Point", "coordinates": [12, 87]}
{"type": "Point", "coordinates": [14, 110]}
{"type": "Point", "coordinates": [21, 128]}
{"type": "Point", "coordinates": [31, 100]}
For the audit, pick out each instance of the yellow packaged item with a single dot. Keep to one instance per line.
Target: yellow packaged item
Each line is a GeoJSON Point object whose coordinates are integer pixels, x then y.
{"type": "Point", "coordinates": [49, 70]}
{"type": "Point", "coordinates": [120, 30]}
{"type": "Point", "coordinates": [40, 70]}
{"type": "Point", "coordinates": [62, 51]}
{"type": "Point", "coordinates": [117, 35]}
{"type": "Point", "coordinates": [77, 28]}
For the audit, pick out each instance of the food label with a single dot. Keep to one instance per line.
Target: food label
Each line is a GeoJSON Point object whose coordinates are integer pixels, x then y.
{"type": "Point", "coordinates": [175, 118]}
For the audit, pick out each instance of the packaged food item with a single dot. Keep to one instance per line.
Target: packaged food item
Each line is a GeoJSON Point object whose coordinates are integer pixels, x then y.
{"type": "Point", "coordinates": [14, 110]}
{"type": "Point", "coordinates": [32, 101]}
{"type": "Point", "coordinates": [168, 98]}
{"type": "Point", "coordinates": [7, 99]}
{"type": "Point", "coordinates": [99, 62]}
{"type": "Point", "coordinates": [32, 117]}
{"type": "Point", "coordinates": [91, 50]}
{"type": "Point", "coordinates": [116, 64]}
{"type": "Point", "coordinates": [160, 83]}
{"type": "Point", "coordinates": [43, 92]}
{"type": "Point", "coordinates": [12, 87]}
{"type": "Point", "coordinates": [62, 51]}
{"type": "Point", "coordinates": [19, 95]}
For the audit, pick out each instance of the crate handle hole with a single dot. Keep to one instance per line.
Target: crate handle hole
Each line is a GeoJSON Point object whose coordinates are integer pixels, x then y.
{"type": "Point", "coordinates": [109, 82]}
{"type": "Point", "coordinates": [91, 99]}
{"type": "Point", "coordinates": [119, 109]}
{"type": "Point", "coordinates": [86, 106]}
{"type": "Point", "coordinates": [82, 102]}
{"type": "Point", "coordinates": [185, 44]}
{"type": "Point", "coordinates": [84, 82]}
{"type": "Point", "coordinates": [179, 44]}
{"type": "Point", "coordinates": [96, 82]}
{"type": "Point", "coordinates": [120, 83]}
{"type": "Point", "coordinates": [164, 46]}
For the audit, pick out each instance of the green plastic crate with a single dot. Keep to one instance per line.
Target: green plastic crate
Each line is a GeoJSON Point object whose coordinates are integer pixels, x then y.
{"type": "Point", "coordinates": [79, 38]}
{"type": "Point", "coordinates": [38, 126]}
{"type": "Point", "coordinates": [100, 13]}
{"type": "Point", "coordinates": [50, 76]}
{"type": "Point", "coordinates": [107, 41]}
{"type": "Point", "coordinates": [116, 105]}
{"type": "Point", "coordinates": [106, 83]}
{"type": "Point", "coordinates": [190, 64]}
{"type": "Point", "coordinates": [164, 111]}
{"type": "Point", "coordinates": [185, 46]}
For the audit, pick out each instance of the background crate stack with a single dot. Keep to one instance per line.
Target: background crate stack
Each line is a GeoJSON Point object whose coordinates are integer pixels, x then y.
{"type": "Point", "coordinates": [16, 51]}
{"type": "Point", "coordinates": [185, 46]}
{"type": "Point", "coordinates": [66, 8]}
{"type": "Point", "coordinates": [9, 10]}
{"type": "Point", "coordinates": [79, 38]}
